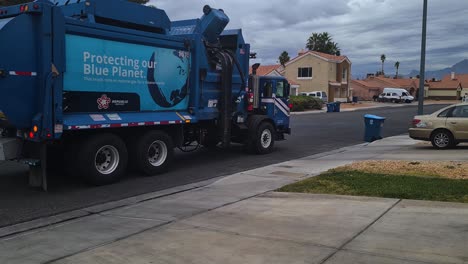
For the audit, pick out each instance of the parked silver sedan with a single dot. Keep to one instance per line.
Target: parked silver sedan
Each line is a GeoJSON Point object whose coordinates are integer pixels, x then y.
{"type": "Point", "coordinates": [444, 128]}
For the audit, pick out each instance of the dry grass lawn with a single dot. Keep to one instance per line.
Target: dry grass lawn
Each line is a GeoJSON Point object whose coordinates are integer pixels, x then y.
{"type": "Point", "coordinates": [444, 169]}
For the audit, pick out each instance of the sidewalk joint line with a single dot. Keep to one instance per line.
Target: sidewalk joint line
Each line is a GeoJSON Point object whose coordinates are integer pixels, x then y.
{"type": "Point", "coordinates": [386, 256]}
{"type": "Point", "coordinates": [158, 226]}
{"type": "Point", "coordinates": [88, 214]}
{"type": "Point", "coordinates": [300, 242]}
{"type": "Point", "coordinates": [360, 232]}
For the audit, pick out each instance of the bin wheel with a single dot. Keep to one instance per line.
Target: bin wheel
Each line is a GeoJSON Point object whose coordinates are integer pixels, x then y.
{"type": "Point", "coordinates": [102, 159]}
{"type": "Point", "coordinates": [152, 153]}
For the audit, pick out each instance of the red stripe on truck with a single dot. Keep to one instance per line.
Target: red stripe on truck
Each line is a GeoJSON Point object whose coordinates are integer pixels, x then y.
{"type": "Point", "coordinates": [133, 124]}
{"type": "Point", "coordinates": [22, 73]}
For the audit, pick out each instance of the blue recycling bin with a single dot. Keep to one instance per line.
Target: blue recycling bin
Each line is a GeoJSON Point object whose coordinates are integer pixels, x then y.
{"type": "Point", "coordinates": [374, 126]}
{"type": "Point", "coordinates": [337, 106]}
{"type": "Point", "coordinates": [330, 107]}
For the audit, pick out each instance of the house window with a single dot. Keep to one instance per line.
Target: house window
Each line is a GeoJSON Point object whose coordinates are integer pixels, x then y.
{"type": "Point", "coordinates": [344, 75]}
{"type": "Point", "coordinates": [304, 73]}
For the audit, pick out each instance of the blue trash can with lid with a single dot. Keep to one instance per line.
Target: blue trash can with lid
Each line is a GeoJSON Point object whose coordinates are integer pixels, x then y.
{"type": "Point", "coordinates": [373, 130]}
{"type": "Point", "coordinates": [337, 106]}
{"type": "Point", "coordinates": [330, 107]}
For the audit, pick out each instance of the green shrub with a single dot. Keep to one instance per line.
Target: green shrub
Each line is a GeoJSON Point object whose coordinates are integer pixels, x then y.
{"type": "Point", "coordinates": [302, 102]}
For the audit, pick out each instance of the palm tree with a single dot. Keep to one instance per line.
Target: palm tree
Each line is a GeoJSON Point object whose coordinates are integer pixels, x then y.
{"type": "Point", "coordinates": [284, 58]}
{"type": "Point", "coordinates": [382, 58]}
{"type": "Point", "coordinates": [322, 42]}
{"type": "Point", "coordinates": [397, 65]}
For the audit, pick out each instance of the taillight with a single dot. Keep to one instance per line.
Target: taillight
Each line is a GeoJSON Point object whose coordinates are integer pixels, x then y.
{"type": "Point", "coordinates": [416, 121]}
{"type": "Point", "coordinates": [250, 101]}
{"type": "Point", "coordinates": [24, 8]}
{"type": "Point", "coordinates": [290, 106]}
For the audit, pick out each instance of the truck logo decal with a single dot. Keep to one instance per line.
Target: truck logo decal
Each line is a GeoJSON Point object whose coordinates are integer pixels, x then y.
{"type": "Point", "coordinates": [157, 94]}
{"type": "Point", "coordinates": [103, 102]}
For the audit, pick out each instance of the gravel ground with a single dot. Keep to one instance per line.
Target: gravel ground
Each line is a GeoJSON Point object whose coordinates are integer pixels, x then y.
{"type": "Point", "coordinates": [445, 169]}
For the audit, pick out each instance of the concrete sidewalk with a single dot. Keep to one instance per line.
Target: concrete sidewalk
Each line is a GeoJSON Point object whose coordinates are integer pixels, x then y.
{"type": "Point", "coordinates": [237, 219]}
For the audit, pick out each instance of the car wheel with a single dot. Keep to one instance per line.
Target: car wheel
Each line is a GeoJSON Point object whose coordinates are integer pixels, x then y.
{"type": "Point", "coordinates": [442, 139]}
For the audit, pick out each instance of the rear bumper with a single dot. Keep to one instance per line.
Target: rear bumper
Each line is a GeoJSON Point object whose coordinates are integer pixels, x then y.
{"type": "Point", "coordinates": [420, 133]}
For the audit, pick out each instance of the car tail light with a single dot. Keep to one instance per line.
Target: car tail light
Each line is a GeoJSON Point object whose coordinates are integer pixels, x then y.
{"type": "Point", "coordinates": [416, 122]}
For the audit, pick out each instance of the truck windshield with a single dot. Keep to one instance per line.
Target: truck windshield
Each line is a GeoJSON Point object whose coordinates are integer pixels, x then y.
{"type": "Point", "coordinates": [5, 21]}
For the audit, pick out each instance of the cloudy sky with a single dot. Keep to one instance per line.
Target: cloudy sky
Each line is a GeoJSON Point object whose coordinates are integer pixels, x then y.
{"type": "Point", "coordinates": [364, 29]}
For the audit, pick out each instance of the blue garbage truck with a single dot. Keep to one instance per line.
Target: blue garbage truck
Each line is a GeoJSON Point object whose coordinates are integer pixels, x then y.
{"type": "Point", "coordinates": [106, 85]}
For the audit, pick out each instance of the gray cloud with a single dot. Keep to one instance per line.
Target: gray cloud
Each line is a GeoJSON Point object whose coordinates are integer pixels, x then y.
{"type": "Point", "coordinates": [364, 29]}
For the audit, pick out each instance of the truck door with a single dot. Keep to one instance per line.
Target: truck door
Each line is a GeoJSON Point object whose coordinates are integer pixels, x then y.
{"type": "Point", "coordinates": [274, 94]}
{"type": "Point", "coordinates": [280, 97]}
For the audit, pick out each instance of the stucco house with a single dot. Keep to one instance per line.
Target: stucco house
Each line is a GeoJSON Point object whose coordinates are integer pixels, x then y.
{"type": "Point", "coordinates": [373, 86]}
{"type": "Point", "coordinates": [317, 71]}
{"type": "Point", "coordinates": [452, 87]}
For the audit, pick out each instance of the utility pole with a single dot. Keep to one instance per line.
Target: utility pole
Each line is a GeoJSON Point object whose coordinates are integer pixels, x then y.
{"type": "Point", "coordinates": [422, 70]}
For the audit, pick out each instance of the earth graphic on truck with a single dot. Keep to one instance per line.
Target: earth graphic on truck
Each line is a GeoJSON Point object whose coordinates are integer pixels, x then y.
{"type": "Point", "coordinates": [175, 87]}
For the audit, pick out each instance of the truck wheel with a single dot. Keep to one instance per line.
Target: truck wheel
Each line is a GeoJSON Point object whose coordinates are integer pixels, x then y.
{"type": "Point", "coordinates": [263, 138]}
{"type": "Point", "coordinates": [102, 159]}
{"type": "Point", "coordinates": [152, 153]}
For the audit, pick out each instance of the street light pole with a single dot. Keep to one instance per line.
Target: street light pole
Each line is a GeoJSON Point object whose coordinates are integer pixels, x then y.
{"type": "Point", "coordinates": [423, 62]}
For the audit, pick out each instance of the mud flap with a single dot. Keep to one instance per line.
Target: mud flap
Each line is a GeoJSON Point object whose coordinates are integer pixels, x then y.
{"type": "Point", "coordinates": [38, 170]}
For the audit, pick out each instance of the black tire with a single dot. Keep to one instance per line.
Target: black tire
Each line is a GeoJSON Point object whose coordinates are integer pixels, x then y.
{"type": "Point", "coordinates": [101, 159]}
{"type": "Point", "coordinates": [152, 153]}
{"type": "Point", "coordinates": [262, 138]}
{"type": "Point", "coordinates": [442, 139]}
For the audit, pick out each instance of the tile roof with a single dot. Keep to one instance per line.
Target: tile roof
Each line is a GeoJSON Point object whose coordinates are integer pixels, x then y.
{"type": "Point", "coordinates": [265, 69]}
{"type": "Point", "coordinates": [291, 82]}
{"type": "Point", "coordinates": [461, 80]}
{"type": "Point", "coordinates": [382, 82]}
{"type": "Point", "coordinates": [401, 83]}
{"type": "Point", "coordinates": [325, 56]}
{"type": "Point", "coordinates": [329, 56]}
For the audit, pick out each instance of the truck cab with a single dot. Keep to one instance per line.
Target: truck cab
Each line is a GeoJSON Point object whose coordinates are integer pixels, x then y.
{"type": "Point", "coordinates": [273, 99]}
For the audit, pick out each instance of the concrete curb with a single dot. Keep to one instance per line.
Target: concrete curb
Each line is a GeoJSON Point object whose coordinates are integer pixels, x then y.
{"type": "Point", "coordinates": [97, 209]}
{"type": "Point", "coordinates": [361, 108]}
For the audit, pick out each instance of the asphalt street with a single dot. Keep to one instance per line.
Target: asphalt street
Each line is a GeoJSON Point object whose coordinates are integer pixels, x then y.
{"type": "Point", "coordinates": [312, 134]}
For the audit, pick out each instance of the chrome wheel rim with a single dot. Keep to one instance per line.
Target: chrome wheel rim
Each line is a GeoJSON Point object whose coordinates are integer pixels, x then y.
{"type": "Point", "coordinates": [266, 138]}
{"type": "Point", "coordinates": [157, 153]}
{"type": "Point", "coordinates": [107, 159]}
{"type": "Point", "coordinates": [441, 140]}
